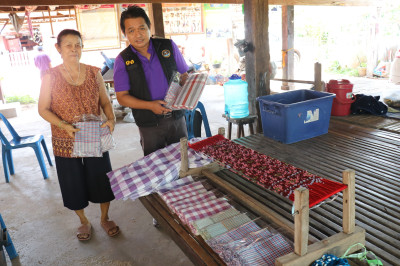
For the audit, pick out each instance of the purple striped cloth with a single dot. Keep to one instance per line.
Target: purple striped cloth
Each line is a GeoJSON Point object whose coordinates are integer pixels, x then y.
{"type": "Point", "coordinates": [87, 140]}
{"type": "Point", "coordinates": [186, 97]}
{"type": "Point", "coordinates": [175, 184]}
{"type": "Point", "coordinates": [147, 174]}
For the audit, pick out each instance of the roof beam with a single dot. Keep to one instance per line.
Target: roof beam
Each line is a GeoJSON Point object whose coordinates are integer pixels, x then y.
{"type": "Point", "coordinates": [270, 2]}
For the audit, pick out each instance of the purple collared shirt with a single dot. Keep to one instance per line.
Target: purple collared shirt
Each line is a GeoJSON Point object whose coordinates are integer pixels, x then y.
{"type": "Point", "coordinates": [156, 80]}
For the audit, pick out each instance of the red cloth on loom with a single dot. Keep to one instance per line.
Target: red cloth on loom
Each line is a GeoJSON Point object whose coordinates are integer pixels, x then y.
{"type": "Point", "coordinates": [266, 171]}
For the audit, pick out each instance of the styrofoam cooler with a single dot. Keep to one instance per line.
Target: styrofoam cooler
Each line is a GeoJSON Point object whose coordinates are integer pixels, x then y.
{"type": "Point", "coordinates": [296, 115]}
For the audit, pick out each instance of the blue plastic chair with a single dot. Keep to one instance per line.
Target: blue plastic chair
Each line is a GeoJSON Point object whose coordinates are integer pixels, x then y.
{"type": "Point", "coordinates": [12, 253]}
{"type": "Point", "coordinates": [21, 142]}
{"type": "Point", "coordinates": [189, 115]}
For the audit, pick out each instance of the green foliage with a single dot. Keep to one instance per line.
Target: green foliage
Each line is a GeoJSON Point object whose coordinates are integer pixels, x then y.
{"type": "Point", "coordinates": [336, 68]}
{"type": "Point", "coordinates": [21, 99]}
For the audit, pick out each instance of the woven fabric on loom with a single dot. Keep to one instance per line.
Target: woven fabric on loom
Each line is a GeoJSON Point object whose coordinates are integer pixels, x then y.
{"type": "Point", "coordinates": [183, 192]}
{"type": "Point", "coordinates": [227, 244]}
{"type": "Point", "coordinates": [202, 223]}
{"type": "Point", "coordinates": [263, 251]}
{"type": "Point", "coordinates": [194, 200]}
{"type": "Point", "coordinates": [235, 234]}
{"type": "Point", "coordinates": [203, 210]}
{"type": "Point", "coordinates": [266, 171]}
{"type": "Point", "coordinates": [223, 226]}
{"type": "Point", "coordinates": [147, 174]}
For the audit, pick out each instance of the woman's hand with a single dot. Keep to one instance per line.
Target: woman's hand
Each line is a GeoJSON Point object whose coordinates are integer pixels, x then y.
{"type": "Point", "coordinates": [110, 123]}
{"type": "Point", "coordinates": [70, 129]}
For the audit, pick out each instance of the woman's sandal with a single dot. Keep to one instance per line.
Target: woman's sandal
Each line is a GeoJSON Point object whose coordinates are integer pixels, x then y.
{"type": "Point", "coordinates": [111, 228]}
{"type": "Point", "coordinates": [84, 232]}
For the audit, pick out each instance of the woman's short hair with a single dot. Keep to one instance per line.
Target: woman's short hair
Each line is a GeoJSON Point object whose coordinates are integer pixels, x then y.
{"type": "Point", "coordinates": [133, 12]}
{"type": "Point", "coordinates": [67, 32]}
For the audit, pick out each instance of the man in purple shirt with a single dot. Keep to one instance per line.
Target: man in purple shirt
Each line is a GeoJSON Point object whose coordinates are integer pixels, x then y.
{"type": "Point", "coordinates": [141, 78]}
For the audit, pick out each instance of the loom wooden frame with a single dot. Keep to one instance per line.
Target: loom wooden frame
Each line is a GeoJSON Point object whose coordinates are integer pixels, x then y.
{"type": "Point", "coordinates": [306, 248]}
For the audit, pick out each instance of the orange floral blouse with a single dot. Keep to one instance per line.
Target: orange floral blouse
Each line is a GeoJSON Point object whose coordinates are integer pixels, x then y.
{"type": "Point", "coordinates": [69, 102]}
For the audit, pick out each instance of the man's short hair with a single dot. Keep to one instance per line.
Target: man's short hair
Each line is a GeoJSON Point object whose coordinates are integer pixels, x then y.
{"type": "Point", "coordinates": [133, 12]}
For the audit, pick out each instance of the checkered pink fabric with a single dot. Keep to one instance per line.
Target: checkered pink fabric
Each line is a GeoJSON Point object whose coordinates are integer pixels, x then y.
{"type": "Point", "coordinates": [183, 192]}
{"type": "Point", "coordinates": [203, 210]}
{"type": "Point", "coordinates": [145, 175]}
{"type": "Point", "coordinates": [87, 140]}
{"type": "Point", "coordinates": [191, 201]}
{"type": "Point", "coordinates": [263, 251]}
{"type": "Point", "coordinates": [188, 96]}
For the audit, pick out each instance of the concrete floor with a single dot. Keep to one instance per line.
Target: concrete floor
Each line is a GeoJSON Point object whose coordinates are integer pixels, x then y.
{"type": "Point", "coordinates": [43, 231]}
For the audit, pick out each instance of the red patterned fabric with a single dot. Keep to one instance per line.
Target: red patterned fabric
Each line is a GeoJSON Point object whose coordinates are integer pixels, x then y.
{"type": "Point", "coordinates": [266, 171]}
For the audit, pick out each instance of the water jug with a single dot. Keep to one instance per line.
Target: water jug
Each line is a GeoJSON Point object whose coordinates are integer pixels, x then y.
{"type": "Point", "coordinates": [236, 97]}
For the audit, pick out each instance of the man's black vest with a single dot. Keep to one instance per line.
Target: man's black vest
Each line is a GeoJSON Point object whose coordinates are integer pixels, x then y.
{"type": "Point", "coordinates": [138, 83]}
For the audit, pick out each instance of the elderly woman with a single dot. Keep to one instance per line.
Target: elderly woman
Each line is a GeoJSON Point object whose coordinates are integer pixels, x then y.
{"type": "Point", "coordinates": [71, 90]}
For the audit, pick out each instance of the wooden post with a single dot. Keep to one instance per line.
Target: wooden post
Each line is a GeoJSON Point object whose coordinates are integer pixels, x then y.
{"type": "Point", "coordinates": [257, 58]}
{"type": "Point", "coordinates": [157, 21]}
{"type": "Point", "coordinates": [51, 22]}
{"type": "Point", "coordinates": [349, 199]}
{"type": "Point", "coordinates": [287, 45]}
{"type": "Point", "coordinates": [301, 220]}
{"type": "Point", "coordinates": [184, 157]}
{"type": "Point", "coordinates": [317, 77]}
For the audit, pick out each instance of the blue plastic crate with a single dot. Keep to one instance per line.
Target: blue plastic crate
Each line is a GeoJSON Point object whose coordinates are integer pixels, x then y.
{"type": "Point", "coordinates": [296, 115]}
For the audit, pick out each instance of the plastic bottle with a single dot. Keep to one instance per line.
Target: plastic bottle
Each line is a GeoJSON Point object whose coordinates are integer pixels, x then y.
{"type": "Point", "coordinates": [236, 97]}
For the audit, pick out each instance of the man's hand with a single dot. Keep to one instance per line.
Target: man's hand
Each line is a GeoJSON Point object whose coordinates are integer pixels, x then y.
{"type": "Point", "coordinates": [158, 108]}
{"type": "Point", "coordinates": [183, 78]}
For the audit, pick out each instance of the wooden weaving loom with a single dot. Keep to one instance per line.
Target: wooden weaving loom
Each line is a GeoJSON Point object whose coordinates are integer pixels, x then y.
{"type": "Point", "coordinates": [306, 248]}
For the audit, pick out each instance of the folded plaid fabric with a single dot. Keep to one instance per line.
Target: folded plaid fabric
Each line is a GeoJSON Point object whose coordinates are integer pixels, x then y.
{"type": "Point", "coordinates": [106, 139]}
{"type": "Point", "coordinates": [183, 192]}
{"type": "Point", "coordinates": [203, 210]}
{"type": "Point", "coordinates": [175, 184]}
{"type": "Point", "coordinates": [235, 234]}
{"type": "Point", "coordinates": [202, 223]}
{"type": "Point", "coordinates": [263, 251]}
{"type": "Point", "coordinates": [191, 201]}
{"type": "Point", "coordinates": [188, 96]}
{"type": "Point", "coordinates": [87, 140]}
{"type": "Point", "coordinates": [150, 172]}
{"type": "Point", "coordinates": [223, 226]}
{"type": "Point", "coordinates": [229, 251]}
{"type": "Point", "coordinates": [172, 93]}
